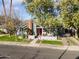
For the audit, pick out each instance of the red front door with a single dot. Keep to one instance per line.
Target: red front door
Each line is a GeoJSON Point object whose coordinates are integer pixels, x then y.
{"type": "Point", "coordinates": [39, 31]}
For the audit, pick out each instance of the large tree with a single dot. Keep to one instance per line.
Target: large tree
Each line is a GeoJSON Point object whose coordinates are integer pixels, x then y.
{"type": "Point", "coordinates": [70, 13]}
{"type": "Point", "coordinates": [43, 11]}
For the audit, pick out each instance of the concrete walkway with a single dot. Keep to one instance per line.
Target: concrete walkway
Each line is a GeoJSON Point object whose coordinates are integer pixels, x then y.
{"type": "Point", "coordinates": [33, 42]}
{"type": "Point", "coordinates": [64, 41]}
{"type": "Point", "coordinates": [73, 48]}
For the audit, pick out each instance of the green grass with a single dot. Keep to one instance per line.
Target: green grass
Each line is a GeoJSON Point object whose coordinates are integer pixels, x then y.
{"type": "Point", "coordinates": [12, 38]}
{"type": "Point", "coordinates": [50, 42]}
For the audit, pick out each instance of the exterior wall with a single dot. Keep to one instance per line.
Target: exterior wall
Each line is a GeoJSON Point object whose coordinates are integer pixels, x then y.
{"type": "Point", "coordinates": [29, 24]}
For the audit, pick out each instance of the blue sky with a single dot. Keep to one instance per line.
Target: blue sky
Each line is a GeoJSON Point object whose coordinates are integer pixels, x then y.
{"type": "Point", "coordinates": [18, 7]}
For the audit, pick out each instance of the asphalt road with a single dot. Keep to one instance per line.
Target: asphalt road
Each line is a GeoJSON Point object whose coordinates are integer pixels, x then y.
{"type": "Point", "coordinates": [20, 52]}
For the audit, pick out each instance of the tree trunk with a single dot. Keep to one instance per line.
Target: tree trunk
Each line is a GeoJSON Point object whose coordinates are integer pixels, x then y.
{"type": "Point", "coordinates": [10, 9]}
{"type": "Point", "coordinates": [5, 15]}
{"type": "Point", "coordinates": [78, 32]}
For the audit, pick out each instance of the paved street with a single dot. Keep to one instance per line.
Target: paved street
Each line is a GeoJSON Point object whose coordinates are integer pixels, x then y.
{"type": "Point", "coordinates": [25, 52]}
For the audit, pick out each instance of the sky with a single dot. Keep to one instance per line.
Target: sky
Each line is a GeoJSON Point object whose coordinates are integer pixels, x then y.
{"type": "Point", "coordinates": [18, 7]}
{"type": "Point", "coordinates": [20, 10]}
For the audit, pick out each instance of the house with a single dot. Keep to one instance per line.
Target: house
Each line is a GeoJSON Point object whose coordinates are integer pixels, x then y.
{"type": "Point", "coordinates": [33, 29]}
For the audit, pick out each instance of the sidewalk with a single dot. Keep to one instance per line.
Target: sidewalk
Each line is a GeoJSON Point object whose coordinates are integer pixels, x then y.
{"type": "Point", "coordinates": [71, 48]}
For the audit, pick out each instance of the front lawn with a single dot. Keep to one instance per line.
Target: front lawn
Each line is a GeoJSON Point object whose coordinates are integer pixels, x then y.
{"type": "Point", "coordinates": [12, 38]}
{"type": "Point", "coordinates": [53, 42]}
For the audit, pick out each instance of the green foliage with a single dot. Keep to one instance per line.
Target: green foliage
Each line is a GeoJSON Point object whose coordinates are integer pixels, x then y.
{"type": "Point", "coordinates": [39, 8]}
{"type": "Point", "coordinates": [70, 13]}
{"type": "Point", "coordinates": [36, 4]}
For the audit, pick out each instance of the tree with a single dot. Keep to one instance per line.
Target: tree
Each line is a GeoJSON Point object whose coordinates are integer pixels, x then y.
{"type": "Point", "coordinates": [40, 9]}
{"type": "Point", "coordinates": [70, 13]}
{"type": "Point", "coordinates": [10, 26]}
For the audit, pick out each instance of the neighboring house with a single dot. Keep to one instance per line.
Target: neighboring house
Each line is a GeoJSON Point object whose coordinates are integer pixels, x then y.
{"type": "Point", "coordinates": [21, 29]}
{"type": "Point", "coordinates": [31, 25]}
